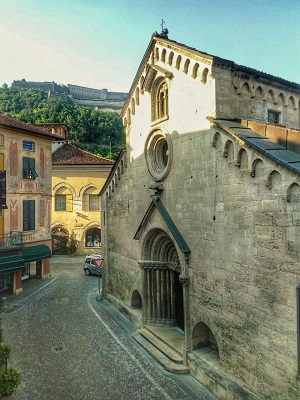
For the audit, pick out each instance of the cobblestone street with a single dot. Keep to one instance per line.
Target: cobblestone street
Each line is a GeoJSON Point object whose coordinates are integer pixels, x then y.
{"type": "Point", "coordinates": [68, 345]}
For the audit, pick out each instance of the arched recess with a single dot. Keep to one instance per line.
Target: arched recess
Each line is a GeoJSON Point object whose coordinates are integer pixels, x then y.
{"type": "Point", "coordinates": [171, 56]}
{"type": "Point", "coordinates": [136, 300]}
{"type": "Point", "coordinates": [258, 93]}
{"type": "Point", "coordinates": [163, 55]}
{"type": "Point", "coordinates": [217, 141]}
{"type": "Point", "coordinates": [132, 106]}
{"type": "Point", "coordinates": [60, 236]}
{"type": "Point", "coordinates": [162, 290]}
{"type": "Point", "coordinates": [229, 151]}
{"type": "Point", "coordinates": [178, 62]}
{"type": "Point", "coordinates": [204, 76]}
{"type": "Point", "coordinates": [195, 71]}
{"type": "Point", "coordinates": [274, 182]}
{"type": "Point", "coordinates": [258, 169]}
{"type": "Point", "coordinates": [137, 96]}
{"type": "Point", "coordinates": [293, 193]}
{"type": "Point", "coordinates": [204, 339]}
{"type": "Point", "coordinates": [242, 160]}
{"type": "Point", "coordinates": [186, 66]}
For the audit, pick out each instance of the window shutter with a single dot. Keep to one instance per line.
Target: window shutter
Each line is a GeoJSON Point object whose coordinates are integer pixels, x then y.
{"type": "Point", "coordinates": [69, 200]}
{"type": "Point", "coordinates": [25, 215]}
{"type": "Point", "coordinates": [32, 215]}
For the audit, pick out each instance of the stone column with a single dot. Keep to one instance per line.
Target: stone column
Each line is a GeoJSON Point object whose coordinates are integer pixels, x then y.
{"type": "Point", "coordinates": [158, 296]}
{"type": "Point", "coordinates": [149, 295]}
{"type": "Point", "coordinates": [187, 346]}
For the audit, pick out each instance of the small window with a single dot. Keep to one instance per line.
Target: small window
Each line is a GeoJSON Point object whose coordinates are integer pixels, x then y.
{"type": "Point", "coordinates": [273, 117]}
{"type": "Point", "coordinates": [94, 202]}
{"type": "Point", "coordinates": [28, 146]}
{"type": "Point", "coordinates": [29, 171]}
{"type": "Point", "coordinates": [60, 202]}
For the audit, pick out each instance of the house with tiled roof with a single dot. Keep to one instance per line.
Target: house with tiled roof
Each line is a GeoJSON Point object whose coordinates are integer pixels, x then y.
{"type": "Point", "coordinates": [77, 178]}
{"type": "Point", "coordinates": [202, 223]}
{"type": "Point", "coordinates": [25, 203]}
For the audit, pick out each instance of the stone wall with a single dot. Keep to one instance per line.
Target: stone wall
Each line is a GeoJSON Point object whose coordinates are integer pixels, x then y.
{"type": "Point", "coordinates": [238, 212]}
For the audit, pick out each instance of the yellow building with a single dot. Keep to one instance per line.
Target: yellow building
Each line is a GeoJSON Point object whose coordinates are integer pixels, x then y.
{"type": "Point", "coordinates": [25, 203]}
{"type": "Point", "coordinates": [77, 178]}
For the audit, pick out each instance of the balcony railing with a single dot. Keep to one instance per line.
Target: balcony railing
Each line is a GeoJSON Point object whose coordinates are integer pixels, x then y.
{"type": "Point", "coordinates": [12, 240]}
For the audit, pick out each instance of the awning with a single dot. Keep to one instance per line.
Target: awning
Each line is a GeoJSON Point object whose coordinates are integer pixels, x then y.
{"type": "Point", "coordinates": [12, 262]}
{"type": "Point", "coordinates": [36, 253]}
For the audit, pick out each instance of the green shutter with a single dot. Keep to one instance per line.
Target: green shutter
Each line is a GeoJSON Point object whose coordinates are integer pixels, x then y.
{"type": "Point", "coordinates": [28, 215]}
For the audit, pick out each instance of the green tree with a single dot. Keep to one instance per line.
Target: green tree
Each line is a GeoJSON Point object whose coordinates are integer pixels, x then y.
{"type": "Point", "coordinates": [97, 131]}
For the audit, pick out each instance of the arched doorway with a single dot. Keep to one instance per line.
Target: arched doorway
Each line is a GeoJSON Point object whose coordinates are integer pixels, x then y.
{"type": "Point", "coordinates": [60, 238]}
{"type": "Point", "coordinates": [162, 290]}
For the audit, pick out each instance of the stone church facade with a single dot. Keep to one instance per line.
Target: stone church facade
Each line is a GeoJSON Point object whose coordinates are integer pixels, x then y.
{"type": "Point", "coordinates": [201, 221]}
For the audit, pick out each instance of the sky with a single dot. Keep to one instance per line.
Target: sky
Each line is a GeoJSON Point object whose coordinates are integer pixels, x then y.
{"type": "Point", "coordinates": [100, 43]}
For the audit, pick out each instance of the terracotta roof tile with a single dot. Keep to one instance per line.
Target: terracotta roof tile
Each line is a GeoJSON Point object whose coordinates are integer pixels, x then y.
{"type": "Point", "coordinates": [15, 124]}
{"type": "Point", "coordinates": [69, 154]}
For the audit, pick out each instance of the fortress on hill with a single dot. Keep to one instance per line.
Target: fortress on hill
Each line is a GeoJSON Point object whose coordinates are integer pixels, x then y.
{"type": "Point", "coordinates": [80, 95]}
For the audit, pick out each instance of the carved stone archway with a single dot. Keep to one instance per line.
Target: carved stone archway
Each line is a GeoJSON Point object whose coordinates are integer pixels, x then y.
{"type": "Point", "coordinates": [162, 289]}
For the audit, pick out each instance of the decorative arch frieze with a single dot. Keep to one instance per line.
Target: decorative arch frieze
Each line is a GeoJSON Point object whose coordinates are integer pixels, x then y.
{"type": "Point", "coordinates": [178, 62]}
{"type": "Point", "coordinates": [195, 70]}
{"type": "Point", "coordinates": [186, 66]}
{"type": "Point", "coordinates": [204, 76]}
{"type": "Point", "coordinates": [137, 96]}
{"type": "Point", "coordinates": [170, 59]}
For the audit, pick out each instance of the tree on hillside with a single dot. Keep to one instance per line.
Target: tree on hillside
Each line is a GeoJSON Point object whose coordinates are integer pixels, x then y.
{"type": "Point", "coordinates": [100, 132]}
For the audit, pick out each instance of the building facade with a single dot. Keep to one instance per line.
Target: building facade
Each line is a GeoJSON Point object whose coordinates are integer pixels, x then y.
{"type": "Point", "coordinates": [25, 214]}
{"type": "Point", "coordinates": [201, 221]}
{"type": "Point", "coordinates": [77, 178]}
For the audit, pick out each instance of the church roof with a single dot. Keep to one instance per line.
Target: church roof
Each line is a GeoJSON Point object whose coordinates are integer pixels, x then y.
{"type": "Point", "coordinates": [279, 154]}
{"type": "Point", "coordinates": [14, 124]}
{"type": "Point", "coordinates": [214, 59]}
{"type": "Point", "coordinates": [69, 154]}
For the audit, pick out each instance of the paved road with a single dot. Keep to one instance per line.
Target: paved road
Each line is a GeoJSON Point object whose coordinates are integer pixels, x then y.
{"type": "Point", "coordinates": [68, 345]}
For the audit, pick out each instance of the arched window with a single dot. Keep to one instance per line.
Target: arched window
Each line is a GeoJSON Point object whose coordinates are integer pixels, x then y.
{"type": "Point", "coordinates": [63, 200]}
{"type": "Point", "coordinates": [91, 199]}
{"type": "Point", "coordinates": [93, 237]}
{"type": "Point", "coordinates": [160, 101]}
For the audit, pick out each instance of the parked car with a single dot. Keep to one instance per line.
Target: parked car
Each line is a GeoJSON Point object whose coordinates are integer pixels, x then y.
{"type": "Point", "coordinates": [90, 267]}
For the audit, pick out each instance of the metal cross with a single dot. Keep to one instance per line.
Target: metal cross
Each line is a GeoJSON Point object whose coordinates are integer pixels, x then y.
{"type": "Point", "coordinates": [162, 24]}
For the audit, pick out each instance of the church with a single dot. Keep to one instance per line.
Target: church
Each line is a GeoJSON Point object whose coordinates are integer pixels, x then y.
{"type": "Point", "coordinates": [201, 221]}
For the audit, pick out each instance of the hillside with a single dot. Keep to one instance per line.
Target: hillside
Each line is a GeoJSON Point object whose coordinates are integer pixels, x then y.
{"type": "Point", "coordinates": [97, 131]}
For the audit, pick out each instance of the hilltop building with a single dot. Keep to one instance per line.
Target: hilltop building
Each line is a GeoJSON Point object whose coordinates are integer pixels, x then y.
{"type": "Point", "coordinates": [201, 221]}
{"type": "Point", "coordinates": [80, 95]}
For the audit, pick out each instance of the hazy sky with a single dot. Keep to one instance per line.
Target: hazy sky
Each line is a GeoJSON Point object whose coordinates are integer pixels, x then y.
{"type": "Point", "coordinates": [100, 43]}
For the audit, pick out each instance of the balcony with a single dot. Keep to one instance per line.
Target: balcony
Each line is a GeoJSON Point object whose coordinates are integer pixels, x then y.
{"type": "Point", "coordinates": [12, 240]}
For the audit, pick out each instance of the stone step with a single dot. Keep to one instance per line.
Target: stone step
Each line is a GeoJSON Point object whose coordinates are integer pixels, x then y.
{"type": "Point", "coordinates": [159, 356]}
{"type": "Point", "coordinates": [161, 345]}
